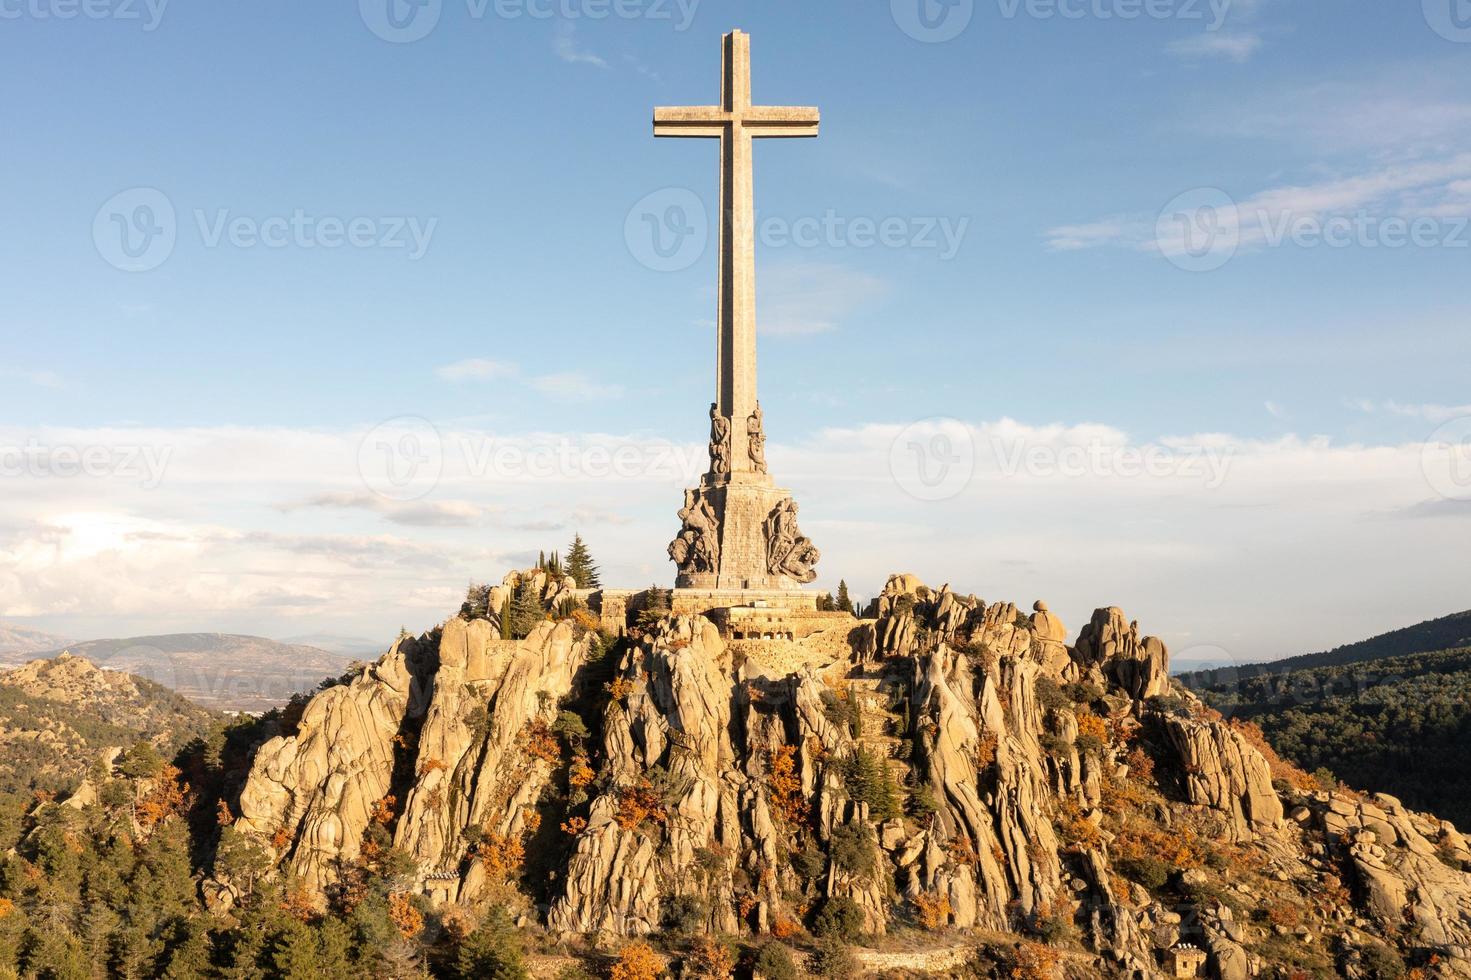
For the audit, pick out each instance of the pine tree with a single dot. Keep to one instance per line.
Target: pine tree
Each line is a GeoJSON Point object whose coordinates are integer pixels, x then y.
{"type": "Point", "coordinates": [526, 611]}
{"type": "Point", "coordinates": [492, 952]}
{"type": "Point", "coordinates": [580, 565]}
{"type": "Point", "coordinates": [844, 603]}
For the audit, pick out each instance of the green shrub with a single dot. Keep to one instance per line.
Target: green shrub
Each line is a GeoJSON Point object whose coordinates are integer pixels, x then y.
{"type": "Point", "coordinates": [839, 918]}
{"type": "Point", "coordinates": [833, 959]}
{"type": "Point", "coordinates": [1150, 872]}
{"type": "Point", "coordinates": [684, 914]}
{"type": "Point", "coordinates": [774, 962]}
{"type": "Point", "coordinates": [853, 849]}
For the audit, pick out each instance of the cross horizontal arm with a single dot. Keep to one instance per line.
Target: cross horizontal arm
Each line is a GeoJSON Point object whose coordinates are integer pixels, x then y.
{"type": "Point", "coordinates": [761, 122]}
{"type": "Point", "coordinates": [708, 121]}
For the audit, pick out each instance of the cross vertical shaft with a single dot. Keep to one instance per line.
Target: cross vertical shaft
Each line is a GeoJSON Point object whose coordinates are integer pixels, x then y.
{"type": "Point", "coordinates": [735, 122]}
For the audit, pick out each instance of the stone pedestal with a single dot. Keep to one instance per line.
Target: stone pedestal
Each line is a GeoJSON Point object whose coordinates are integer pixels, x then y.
{"type": "Point", "coordinates": [743, 504]}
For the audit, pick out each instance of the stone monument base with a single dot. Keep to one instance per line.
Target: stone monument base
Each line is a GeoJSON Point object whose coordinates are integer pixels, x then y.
{"type": "Point", "coordinates": [617, 607]}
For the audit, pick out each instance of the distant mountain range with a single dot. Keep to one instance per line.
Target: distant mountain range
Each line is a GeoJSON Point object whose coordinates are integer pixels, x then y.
{"type": "Point", "coordinates": [20, 642]}
{"type": "Point", "coordinates": [224, 671]}
{"type": "Point", "coordinates": [1444, 633]}
{"type": "Point", "coordinates": [351, 646]}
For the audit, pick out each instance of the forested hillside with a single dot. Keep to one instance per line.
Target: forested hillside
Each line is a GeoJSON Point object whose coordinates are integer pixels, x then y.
{"type": "Point", "coordinates": [1399, 725]}
{"type": "Point", "coordinates": [58, 716]}
{"type": "Point", "coordinates": [1445, 633]}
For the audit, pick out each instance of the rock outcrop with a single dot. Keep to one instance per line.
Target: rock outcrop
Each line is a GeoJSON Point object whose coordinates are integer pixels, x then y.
{"type": "Point", "coordinates": [957, 766]}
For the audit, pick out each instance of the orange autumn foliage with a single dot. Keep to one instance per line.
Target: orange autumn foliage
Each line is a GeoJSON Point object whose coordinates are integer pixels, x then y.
{"type": "Point", "coordinates": [709, 960]}
{"type": "Point", "coordinates": [167, 797]}
{"type": "Point", "coordinates": [405, 915]}
{"type": "Point", "coordinates": [382, 812]}
{"type": "Point", "coordinates": [619, 688]}
{"type": "Point", "coordinates": [297, 903]}
{"type": "Point", "coordinates": [784, 928]}
{"type": "Point", "coordinates": [573, 826]}
{"type": "Point", "coordinates": [540, 743]}
{"type": "Point", "coordinates": [638, 803]}
{"type": "Point", "coordinates": [784, 786]}
{"type": "Point", "coordinates": [581, 773]}
{"type": "Point", "coordinates": [1141, 766]}
{"type": "Point", "coordinates": [934, 912]}
{"type": "Point", "coordinates": [1091, 724]}
{"type": "Point", "coordinates": [501, 855]}
{"type": "Point", "coordinates": [986, 752]}
{"type": "Point", "coordinates": [1035, 962]}
{"type": "Point", "coordinates": [637, 961]}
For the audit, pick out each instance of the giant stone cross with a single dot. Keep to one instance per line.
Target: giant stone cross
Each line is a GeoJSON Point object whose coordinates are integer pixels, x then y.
{"type": "Point", "coordinates": [740, 530]}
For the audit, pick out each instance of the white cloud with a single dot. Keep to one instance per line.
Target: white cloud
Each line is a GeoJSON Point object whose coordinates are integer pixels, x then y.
{"type": "Point", "coordinates": [1427, 412]}
{"type": "Point", "coordinates": [1231, 47]}
{"type": "Point", "coordinates": [441, 513]}
{"type": "Point", "coordinates": [798, 299]}
{"type": "Point", "coordinates": [575, 386]}
{"type": "Point", "coordinates": [476, 369]}
{"type": "Point", "coordinates": [1404, 190]}
{"type": "Point", "coordinates": [566, 46]}
{"type": "Point", "coordinates": [1296, 543]}
{"type": "Point", "coordinates": [39, 378]}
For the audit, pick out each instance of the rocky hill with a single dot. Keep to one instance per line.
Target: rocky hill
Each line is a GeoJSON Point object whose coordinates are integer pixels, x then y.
{"type": "Point", "coordinates": [224, 671]}
{"type": "Point", "coordinates": [959, 788]}
{"type": "Point", "coordinates": [58, 716]}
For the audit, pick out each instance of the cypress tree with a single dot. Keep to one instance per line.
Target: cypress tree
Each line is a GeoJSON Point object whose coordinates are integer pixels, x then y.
{"type": "Point", "coordinates": [844, 603]}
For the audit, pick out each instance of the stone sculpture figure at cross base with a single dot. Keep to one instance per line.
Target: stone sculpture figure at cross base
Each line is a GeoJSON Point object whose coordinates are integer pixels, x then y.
{"type": "Point", "coordinates": [740, 529]}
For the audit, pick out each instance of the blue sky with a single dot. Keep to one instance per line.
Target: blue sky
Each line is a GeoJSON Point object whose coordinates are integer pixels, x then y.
{"type": "Point", "coordinates": [517, 147]}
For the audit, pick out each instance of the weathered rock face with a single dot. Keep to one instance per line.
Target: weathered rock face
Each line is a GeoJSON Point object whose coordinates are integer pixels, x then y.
{"type": "Point", "coordinates": [957, 766]}
{"type": "Point", "coordinates": [1140, 665]}
{"type": "Point", "coordinates": [1224, 772]}
{"type": "Point", "coordinates": [310, 795]}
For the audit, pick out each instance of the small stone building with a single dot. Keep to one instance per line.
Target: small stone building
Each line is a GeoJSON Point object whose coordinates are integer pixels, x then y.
{"type": "Point", "coordinates": [1185, 960]}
